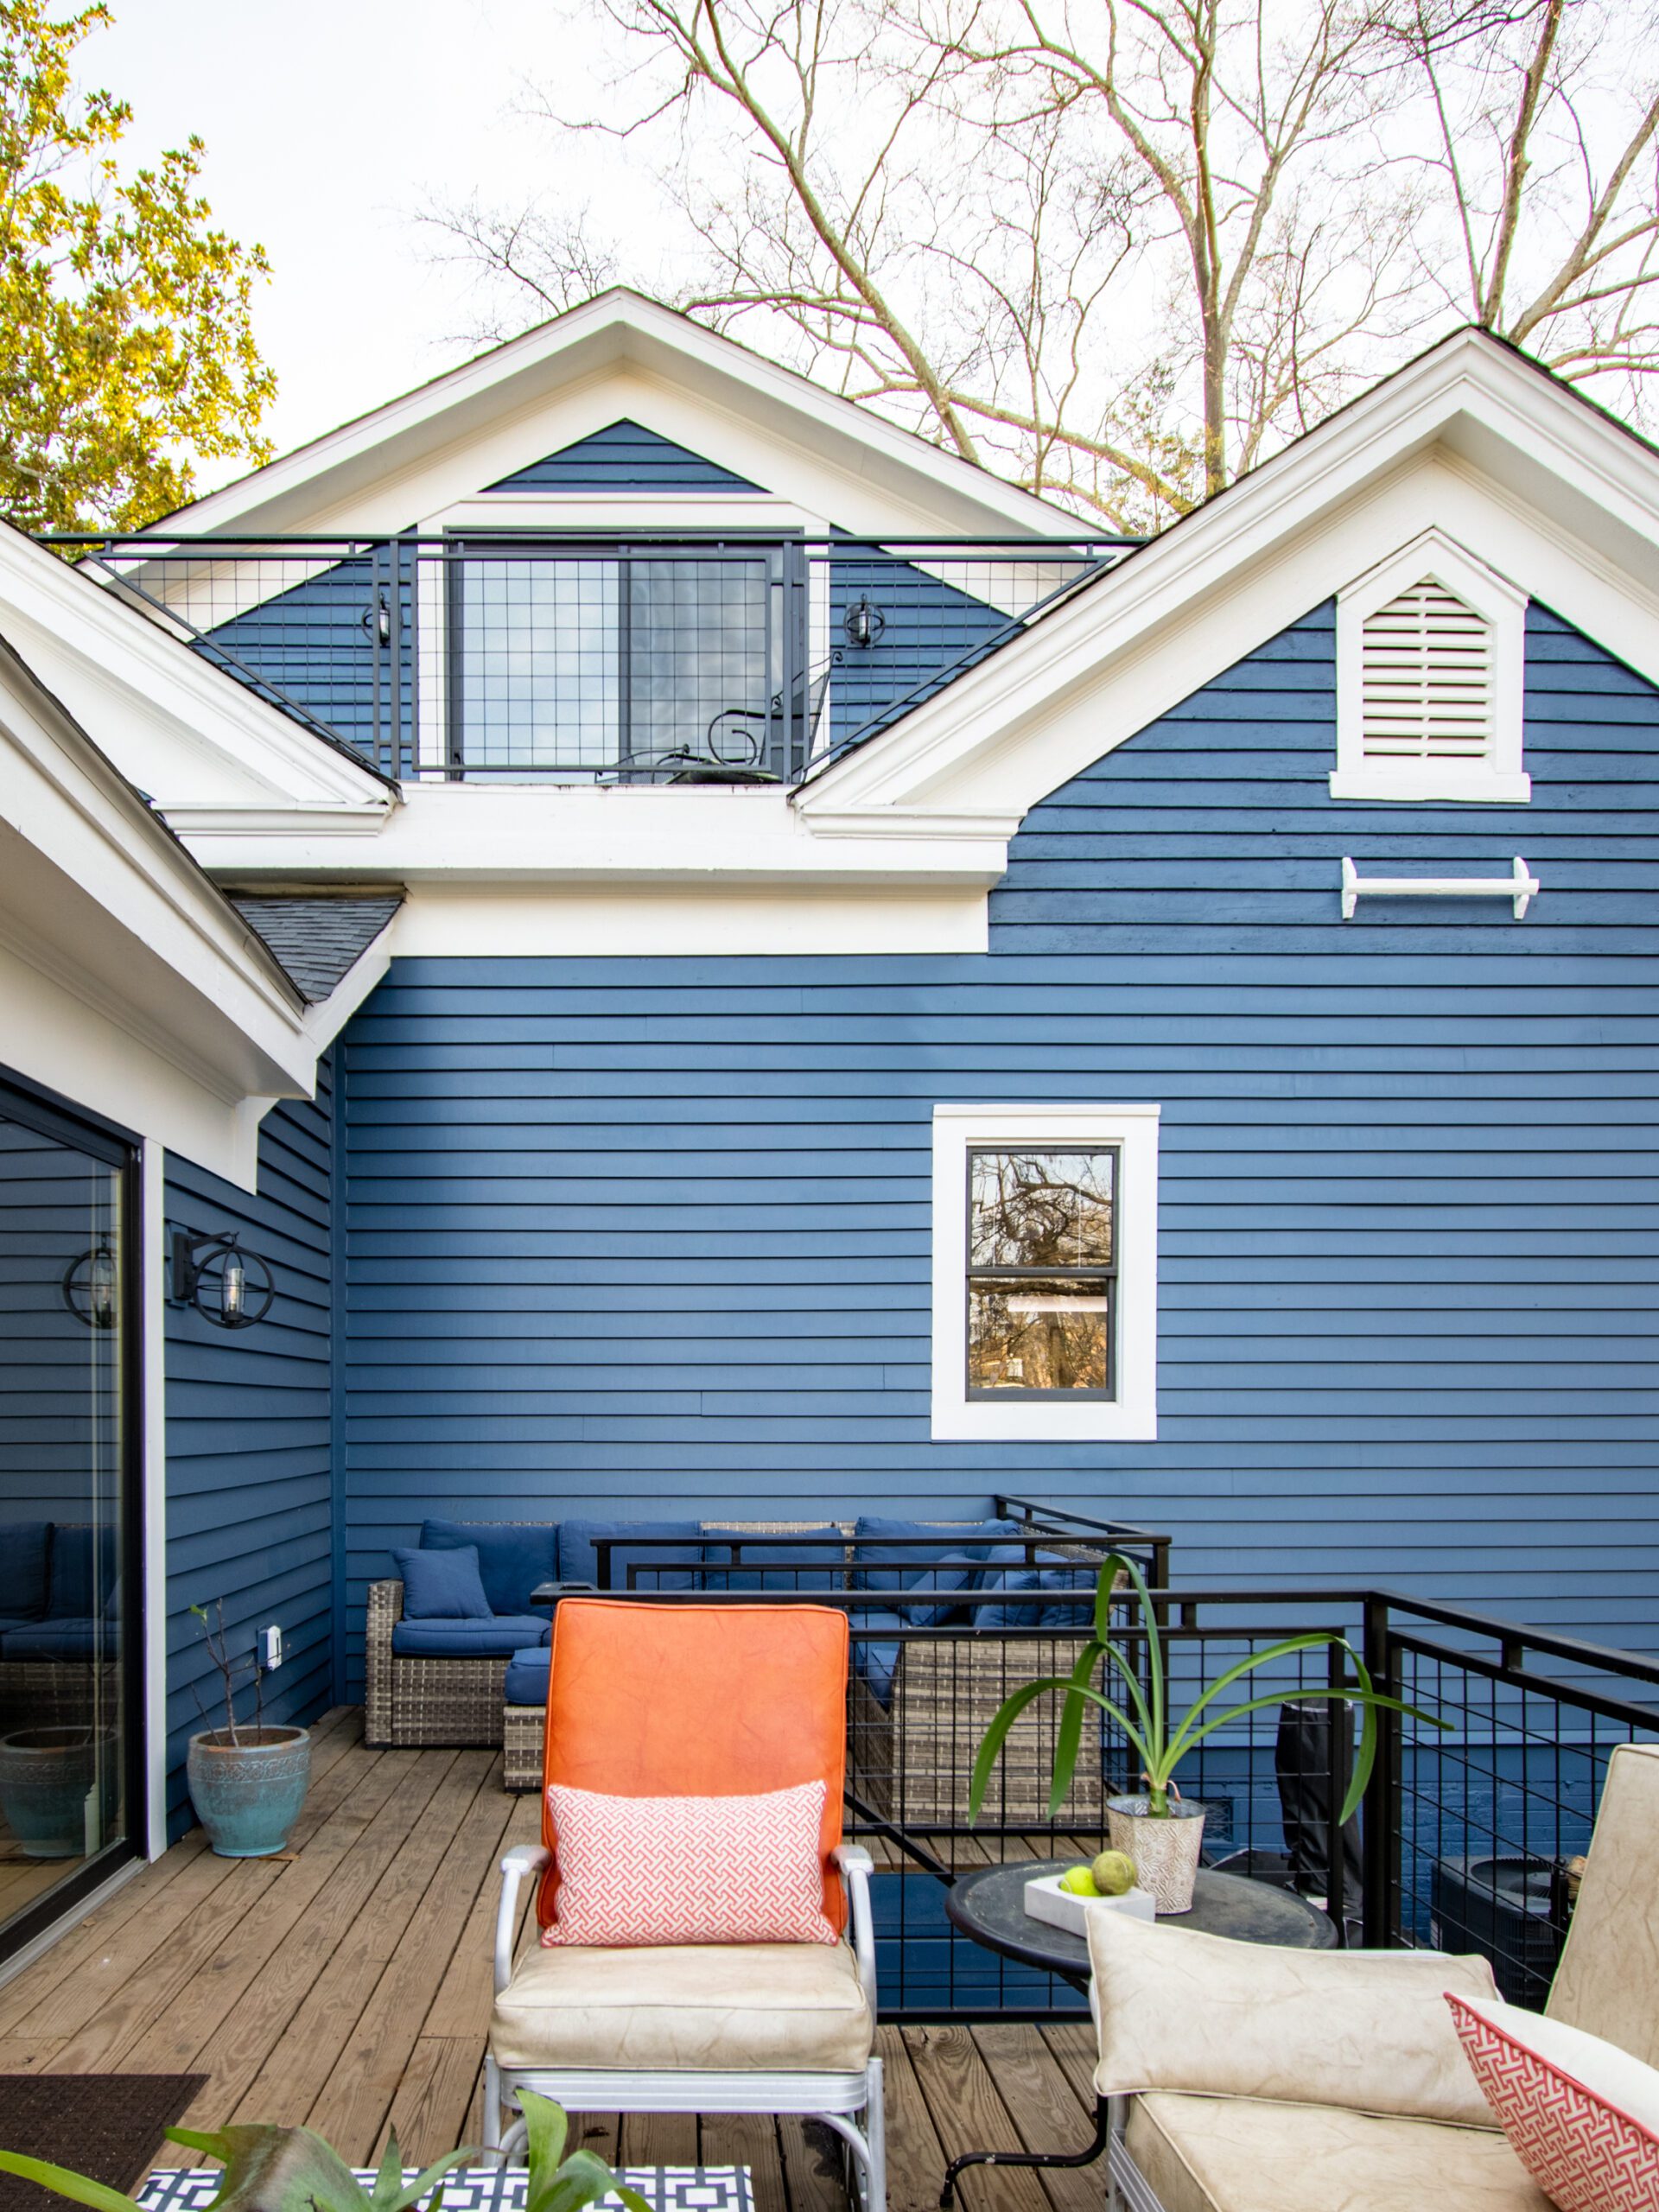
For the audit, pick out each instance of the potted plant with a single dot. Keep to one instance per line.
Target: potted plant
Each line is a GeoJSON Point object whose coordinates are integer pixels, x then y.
{"type": "Point", "coordinates": [290, 2170]}
{"type": "Point", "coordinates": [1162, 1835]}
{"type": "Point", "coordinates": [46, 1778]}
{"type": "Point", "coordinates": [247, 1782]}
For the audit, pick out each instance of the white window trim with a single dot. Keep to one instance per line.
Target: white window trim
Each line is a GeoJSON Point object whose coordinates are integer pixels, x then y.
{"type": "Point", "coordinates": [1502, 780]}
{"type": "Point", "coordinates": [1132, 1416]}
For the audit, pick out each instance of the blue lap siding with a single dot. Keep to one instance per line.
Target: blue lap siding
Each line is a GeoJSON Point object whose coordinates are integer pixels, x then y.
{"type": "Point", "coordinates": [248, 1438]}
{"type": "Point", "coordinates": [653, 1234]}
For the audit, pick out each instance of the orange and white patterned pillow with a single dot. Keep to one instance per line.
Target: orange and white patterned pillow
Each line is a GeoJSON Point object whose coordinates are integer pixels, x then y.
{"type": "Point", "coordinates": [688, 1870]}
{"type": "Point", "coordinates": [1580, 2114]}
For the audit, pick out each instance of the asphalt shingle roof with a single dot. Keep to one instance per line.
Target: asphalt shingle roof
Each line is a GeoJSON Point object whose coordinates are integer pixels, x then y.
{"type": "Point", "coordinates": [318, 937]}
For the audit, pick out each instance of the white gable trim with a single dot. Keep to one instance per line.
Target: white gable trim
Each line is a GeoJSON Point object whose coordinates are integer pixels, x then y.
{"type": "Point", "coordinates": [1471, 440]}
{"type": "Point", "coordinates": [620, 355]}
{"type": "Point", "coordinates": [179, 728]}
{"type": "Point", "coordinates": [129, 983]}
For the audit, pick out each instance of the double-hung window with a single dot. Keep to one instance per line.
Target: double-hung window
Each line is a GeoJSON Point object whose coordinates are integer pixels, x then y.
{"type": "Point", "coordinates": [1045, 1284]}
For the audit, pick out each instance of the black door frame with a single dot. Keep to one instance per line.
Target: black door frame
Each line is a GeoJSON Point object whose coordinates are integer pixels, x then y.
{"type": "Point", "coordinates": [60, 1119]}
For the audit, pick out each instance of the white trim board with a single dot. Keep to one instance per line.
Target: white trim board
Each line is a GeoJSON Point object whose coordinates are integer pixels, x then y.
{"type": "Point", "coordinates": [620, 355]}
{"type": "Point", "coordinates": [153, 1448]}
{"type": "Point", "coordinates": [1132, 1414]}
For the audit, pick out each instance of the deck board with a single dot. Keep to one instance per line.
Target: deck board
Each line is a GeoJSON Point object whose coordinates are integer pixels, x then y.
{"type": "Point", "coordinates": [348, 1985]}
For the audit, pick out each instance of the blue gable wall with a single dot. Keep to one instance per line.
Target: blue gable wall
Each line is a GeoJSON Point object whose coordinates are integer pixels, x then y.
{"type": "Point", "coordinates": [625, 457]}
{"type": "Point", "coordinates": [637, 1232]}
{"type": "Point", "coordinates": [248, 1437]}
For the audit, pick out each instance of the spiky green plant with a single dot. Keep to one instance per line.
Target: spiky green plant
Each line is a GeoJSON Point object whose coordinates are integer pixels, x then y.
{"type": "Point", "coordinates": [1160, 1746]}
{"type": "Point", "coordinates": [291, 2169]}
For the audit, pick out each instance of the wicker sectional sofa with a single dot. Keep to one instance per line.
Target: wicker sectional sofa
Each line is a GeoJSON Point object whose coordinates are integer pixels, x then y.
{"type": "Point", "coordinates": [920, 1693]}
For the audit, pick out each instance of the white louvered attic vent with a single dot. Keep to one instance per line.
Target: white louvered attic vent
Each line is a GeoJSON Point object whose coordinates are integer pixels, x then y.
{"type": "Point", "coordinates": [1427, 680]}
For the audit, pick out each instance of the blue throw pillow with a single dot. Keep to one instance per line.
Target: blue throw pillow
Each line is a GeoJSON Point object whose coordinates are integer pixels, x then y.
{"type": "Point", "coordinates": [1075, 1610]}
{"type": "Point", "coordinates": [870, 1542]}
{"type": "Point", "coordinates": [512, 1560]}
{"type": "Point", "coordinates": [83, 1571]}
{"type": "Point", "coordinates": [579, 1561]}
{"type": "Point", "coordinates": [442, 1585]}
{"type": "Point", "coordinates": [22, 1569]}
{"type": "Point", "coordinates": [958, 1574]}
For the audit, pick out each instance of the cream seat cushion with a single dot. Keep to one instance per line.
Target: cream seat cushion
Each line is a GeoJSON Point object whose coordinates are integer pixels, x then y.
{"type": "Point", "coordinates": [1241, 2154]}
{"type": "Point", "coordinates": [739, 2007]}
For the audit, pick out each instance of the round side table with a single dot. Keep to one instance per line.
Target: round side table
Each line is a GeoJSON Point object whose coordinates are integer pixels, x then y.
{"type": "Point", "coordinates": [989, 1907]}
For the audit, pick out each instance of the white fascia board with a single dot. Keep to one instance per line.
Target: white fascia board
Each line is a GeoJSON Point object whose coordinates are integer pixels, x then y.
{"type": "Point", "coordinates": [491, 921]}
{"type": "Point", "coordinates": [174, 724]}
{"type": "Point", "coordinates": [386, 455]}
{"type": "Point", "coordinates": [98, 898]}
{"type": "Point", "coordinates": [721, 839]}
{"type": "Point", "coordinates": [1470, 440]}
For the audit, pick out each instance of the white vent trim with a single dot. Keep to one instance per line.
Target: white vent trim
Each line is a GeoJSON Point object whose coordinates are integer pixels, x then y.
{"type": "Point", "coordinates": [1430, 660]}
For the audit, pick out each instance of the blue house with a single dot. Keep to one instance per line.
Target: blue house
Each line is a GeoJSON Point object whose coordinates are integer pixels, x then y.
{"type": "Point", "coordinates": [564, 909]}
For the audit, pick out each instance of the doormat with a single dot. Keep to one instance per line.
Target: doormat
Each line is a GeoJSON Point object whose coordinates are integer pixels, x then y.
{"type": "Point", "coordinates": [109, 2125]}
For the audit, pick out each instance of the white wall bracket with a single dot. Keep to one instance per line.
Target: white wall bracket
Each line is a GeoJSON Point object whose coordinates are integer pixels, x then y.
{"type": "Point", "coordinates": [1521, 887]}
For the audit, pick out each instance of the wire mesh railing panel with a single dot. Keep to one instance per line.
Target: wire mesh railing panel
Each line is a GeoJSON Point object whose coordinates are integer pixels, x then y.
{"type": "Point", "coordinates": [1495, 1808]}
{"type": "Point", "coordinates": [536, 657]}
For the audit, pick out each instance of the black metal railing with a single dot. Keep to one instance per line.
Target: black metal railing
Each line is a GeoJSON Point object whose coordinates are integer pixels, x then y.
{"type": "Point", "coordinates": [1467, 1837]}
{"type": "Point", "coordinates": [541, 656]}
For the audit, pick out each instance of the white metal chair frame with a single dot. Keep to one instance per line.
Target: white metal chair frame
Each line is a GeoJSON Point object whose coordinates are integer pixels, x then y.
{"type": "Point", "coordinates": [840, 2101]}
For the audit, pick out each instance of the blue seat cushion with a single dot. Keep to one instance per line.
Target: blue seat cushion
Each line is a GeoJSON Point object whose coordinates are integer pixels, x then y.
{"type": "Point", "coordinates": [24, 1546]}
{"type": "Point", "coordinates": [84, 1638]}
{"type": "Point", "coordinates": [1077, 1610]}
{"type": "Point", "coordinates": [876, 1659]}
{"type": "Point", "coordinates": [83, 1571]}
{"type": "Point", "coordinates": [442, 1585]}
{"type": "Point", "coordinates": [579, 1561]}
{"type": "Point", "coordinates": [821, 1566]}
{"type": "Point", "coordinates": [527, 1676]}
{"type": "Point", "coordinates": [494, 1638]}
{"type": "Point", "coordinates": [958, 1539]}
{"type": "Point", "coordinates": [513, 1562]}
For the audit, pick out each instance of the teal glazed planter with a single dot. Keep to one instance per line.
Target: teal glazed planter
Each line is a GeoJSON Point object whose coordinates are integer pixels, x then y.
{"type": "Point", "coordinates": [248, 1795]}
{"type": "Point", "coordinates": [46, 1775]}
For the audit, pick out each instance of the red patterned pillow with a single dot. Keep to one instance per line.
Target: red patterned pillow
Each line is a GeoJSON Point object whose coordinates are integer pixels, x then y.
{"type": "Point", "coordinates": [1581, 2115]}
{"type": "Point", "coordinates": [688, 1870]}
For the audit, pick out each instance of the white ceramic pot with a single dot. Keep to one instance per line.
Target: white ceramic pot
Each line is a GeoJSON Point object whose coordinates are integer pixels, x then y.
{"type": "Point", "coordinates": [1165, 1850]}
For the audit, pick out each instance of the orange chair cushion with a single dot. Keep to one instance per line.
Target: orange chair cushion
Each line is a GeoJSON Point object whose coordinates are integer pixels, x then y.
{"type": "Point", "coordinates": [722, 1700]}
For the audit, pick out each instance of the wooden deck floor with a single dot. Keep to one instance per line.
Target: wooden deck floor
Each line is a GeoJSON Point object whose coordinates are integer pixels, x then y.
{"type": "Point", "coordinates": [347, 1986]}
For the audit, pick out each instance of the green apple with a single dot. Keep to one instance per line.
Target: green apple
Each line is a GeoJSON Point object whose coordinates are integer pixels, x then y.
{"type": "Point", "coordinates": [1079, 1882]}
{"type": "Point", "coordinates": [1113, 1874]}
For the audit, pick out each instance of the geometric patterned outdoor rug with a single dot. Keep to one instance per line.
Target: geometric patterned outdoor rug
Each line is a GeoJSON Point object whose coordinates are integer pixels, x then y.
{"type": "Point", "coordinates": [109, 2125]}
{"type": "Point", "coordinates": [496, 2189]}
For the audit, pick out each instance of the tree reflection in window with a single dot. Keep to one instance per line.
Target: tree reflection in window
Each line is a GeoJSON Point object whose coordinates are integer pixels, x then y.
{"type": "Point", "coordinates": [1042, 1266]}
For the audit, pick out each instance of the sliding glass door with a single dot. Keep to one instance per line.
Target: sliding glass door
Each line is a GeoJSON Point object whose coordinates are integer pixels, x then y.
{"type": "Point", "coordinates": [70, 1763]}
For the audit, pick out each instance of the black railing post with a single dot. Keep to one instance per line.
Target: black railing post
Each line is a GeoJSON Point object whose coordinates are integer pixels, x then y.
{"type": "Point", "coordinates": [1383, 1810]}
{"type": "Point", "coordinates": [795, 719]}
{"type": "Point", "coordinates": [408, 586]}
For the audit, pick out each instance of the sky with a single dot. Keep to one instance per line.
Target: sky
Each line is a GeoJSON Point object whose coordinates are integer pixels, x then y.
{"type": "Point", "coordinates": [329, 123]}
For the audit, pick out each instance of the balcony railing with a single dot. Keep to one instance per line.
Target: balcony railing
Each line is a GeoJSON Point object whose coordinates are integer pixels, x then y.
{"type": "Point", "coordinates": [548, 656]}
{"type": "Point", "coordinates": [1468, 1836]}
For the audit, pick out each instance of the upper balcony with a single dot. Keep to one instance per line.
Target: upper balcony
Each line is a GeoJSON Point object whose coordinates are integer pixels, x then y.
{"type": "Point", "coordinates": [548, 656]}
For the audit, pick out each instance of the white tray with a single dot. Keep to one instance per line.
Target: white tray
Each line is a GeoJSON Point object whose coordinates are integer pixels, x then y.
{"type": "Point", "coordinates": [1047, 1900]}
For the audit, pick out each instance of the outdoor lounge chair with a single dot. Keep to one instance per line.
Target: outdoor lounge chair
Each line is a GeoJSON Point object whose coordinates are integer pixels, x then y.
{"type": "Point", "coordinates": [1239, 2077]}
{"type": "Point", "coordinates": [694, 1701]}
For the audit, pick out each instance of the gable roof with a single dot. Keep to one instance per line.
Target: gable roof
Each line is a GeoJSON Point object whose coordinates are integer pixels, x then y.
{"type": "Point", "coordinates": [478, 425]}
{"type": "Point", "coordinates": [1473, 437]}
{"type": "Point", "coordinates": [624, 456]}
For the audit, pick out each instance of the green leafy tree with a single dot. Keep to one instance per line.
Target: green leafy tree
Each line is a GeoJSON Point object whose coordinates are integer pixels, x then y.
{"type": "Point", "coordinates": [126, 335]}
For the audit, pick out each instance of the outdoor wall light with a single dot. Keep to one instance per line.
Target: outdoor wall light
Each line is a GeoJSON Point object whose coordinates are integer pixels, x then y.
{"type": "Point", "coordinates": [377, 616]}
{"type": "Point", "coordinates": [863, 622]}
{"type": "Point", "coordinates": [89, 1287]}
{"type": "Point", "coordinates": [228, 1286]}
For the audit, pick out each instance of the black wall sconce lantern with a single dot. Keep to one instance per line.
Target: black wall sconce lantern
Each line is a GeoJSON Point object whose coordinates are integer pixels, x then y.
{"type": "Point", "coordinates": [90, 1287]}
{"type": "Point", "coordinates": [228, 1286]}
{"type": "Point", "coordinates": [863, 622]}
